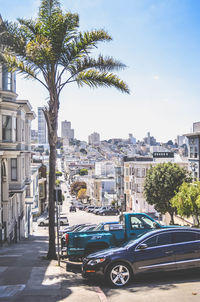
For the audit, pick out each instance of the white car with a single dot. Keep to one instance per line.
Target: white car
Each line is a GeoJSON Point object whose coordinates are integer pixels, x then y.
{"type": "Point", "coordinates": [45, 221]}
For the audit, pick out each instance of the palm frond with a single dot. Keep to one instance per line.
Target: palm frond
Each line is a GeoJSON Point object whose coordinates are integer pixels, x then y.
{"type": "Point", "coordinates": [14, 64]}
{"type": "Point", "coordinates": [101, 63]}
{"type": "Point", "coordinates": [95, 79]}
{"type": "Point", "coordinates": [82, 45]}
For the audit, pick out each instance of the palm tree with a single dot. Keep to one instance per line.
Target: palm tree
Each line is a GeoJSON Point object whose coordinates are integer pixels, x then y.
{"type": "Point", "coordinates": [51, 50]}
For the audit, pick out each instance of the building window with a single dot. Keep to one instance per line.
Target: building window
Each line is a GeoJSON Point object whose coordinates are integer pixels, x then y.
{"type": "Point", "coordinates": [137, 172]}
{"type": "Point", "coordinates": [13, 168]}
{"type": "Point", "coordinates": [7, 128]}
{"type": "Point", "coordinates": [14, 129]}
{"type": "Point", "coordinates": [22, 131]}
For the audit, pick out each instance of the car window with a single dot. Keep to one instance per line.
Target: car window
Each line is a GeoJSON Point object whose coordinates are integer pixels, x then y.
{"type": "Point", "coordinates": [135, 222]}
{"type": "Point", "coordinates": [164, 239]}
{"type": "Point", "coordinates": [148, 223]}
{"type": "Point", "coordinates": [185, 236]}
{"type": "Point", "coordinates": [141, 222]}
{"type": "Point", "coordinates": [151, 241]}
{"type": "Point", "coordinates": [158, 240]}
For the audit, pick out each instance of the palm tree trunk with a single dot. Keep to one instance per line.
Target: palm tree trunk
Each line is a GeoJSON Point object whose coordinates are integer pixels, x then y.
{"type": "Point", "coordinates": [51, 115]}
{"type": "Point", "coordinates": [52, 163]}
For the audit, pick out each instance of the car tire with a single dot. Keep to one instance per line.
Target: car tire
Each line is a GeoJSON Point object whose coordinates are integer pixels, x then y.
{"type": "Point", "coordinates": [41, 223]}
{"type": "Point", "coordinates": [103, 214]}
{"type": "Point", "coordinates": [61, 223]}
{"type": "Point", "coordinates": [119, 274]}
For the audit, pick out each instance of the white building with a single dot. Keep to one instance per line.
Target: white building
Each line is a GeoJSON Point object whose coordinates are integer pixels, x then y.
{"type": "Point", "coordinates": [94, 139]}
{"type": "Point", "coordinates": [105, 168]}
{"type": "Point", "coordinates": [135, 170]}
{"type": "Point", "coordinates": [42, 127]}
{"type": "Point", "coordinates": [15, 157]}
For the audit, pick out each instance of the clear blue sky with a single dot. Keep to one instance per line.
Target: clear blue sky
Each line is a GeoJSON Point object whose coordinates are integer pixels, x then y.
{"type": "Point", "coordinates": [159, 41]}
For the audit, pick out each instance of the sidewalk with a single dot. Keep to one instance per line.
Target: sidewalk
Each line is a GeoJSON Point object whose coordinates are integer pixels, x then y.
{"type": "Point", "coordinates": [26, 276]}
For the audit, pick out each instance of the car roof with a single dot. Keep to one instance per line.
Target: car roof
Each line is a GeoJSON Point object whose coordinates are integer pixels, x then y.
{"type": "Point", "coordinates": [171, 229]}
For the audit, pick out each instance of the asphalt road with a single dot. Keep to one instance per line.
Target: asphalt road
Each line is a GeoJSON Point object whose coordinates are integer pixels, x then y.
{"type": "Point", "coordinates": [173, 287]}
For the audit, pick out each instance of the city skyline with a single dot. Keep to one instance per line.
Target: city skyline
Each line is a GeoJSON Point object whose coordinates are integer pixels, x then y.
{"type": "Point", "coordinates": [159, 42]}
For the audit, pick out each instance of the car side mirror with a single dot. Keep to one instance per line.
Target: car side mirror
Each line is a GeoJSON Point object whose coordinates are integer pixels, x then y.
{"type": "Point", "coordinates": [142, 246]}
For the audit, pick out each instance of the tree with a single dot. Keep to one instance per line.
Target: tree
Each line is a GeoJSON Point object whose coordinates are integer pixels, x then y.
{"type": "Point", "coordinates": [76, 186]}
{"type": "Point", "coordinates": [51, 50]}
{"type": "Point", "coordinates": [187, 200]}
{"type": "Point", "coordinates": [82, 194]}
{"type": "Point", "coordinates": [83, 172]}
{"type": "Point", "coordinates": [161, 184]}
{"type": "Point", "coordinates": [83, 151]}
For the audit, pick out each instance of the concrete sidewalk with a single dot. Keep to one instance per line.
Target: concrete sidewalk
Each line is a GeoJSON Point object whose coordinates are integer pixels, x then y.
{"type": "Point", "coordinates": [26, 276]}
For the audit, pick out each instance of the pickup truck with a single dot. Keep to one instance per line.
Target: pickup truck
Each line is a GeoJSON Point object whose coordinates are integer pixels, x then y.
{"type": "Point", "coordinates": [130, 226]}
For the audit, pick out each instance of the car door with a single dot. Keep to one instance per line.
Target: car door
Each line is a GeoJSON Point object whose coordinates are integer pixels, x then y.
{"type": "Point", "coordinates": [157, 256]}
{"type": "Point", "coordinates": [138, 225]}
{"type": "Point", "coordinates": [187, 249]}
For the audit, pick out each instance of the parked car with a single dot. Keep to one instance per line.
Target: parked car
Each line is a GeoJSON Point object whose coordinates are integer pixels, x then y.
{"type": "Point", "coordinates": [89, 209]}
{"type": "Point", "coordinates": [130, 226]}
{"type": "Point", "coordinates": [44, 221]}
{"type": "Point", "coordinates": [109, 211]}
{"type": "Point", "coordinates": [72, 208]}
{"type": "Point", "coordinates": [95, 209]}
{"type": "Point", "coordinates": [72, 228]}
{"type": "Point", "coordinates": [80, 206]}
{"type": "Point", "coordinates": [162, 250]}
{"type": "Point", "coordinates": [100, 209]}
{"type": "Point", "coordinates": [88, 228]}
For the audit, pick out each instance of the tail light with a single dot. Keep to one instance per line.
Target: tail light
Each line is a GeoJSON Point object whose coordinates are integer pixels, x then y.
{"type": "Point", "coordinates": [66, 238]}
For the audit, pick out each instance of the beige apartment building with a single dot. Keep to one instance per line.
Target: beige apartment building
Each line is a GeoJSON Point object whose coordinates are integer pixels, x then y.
{"type": "Point", "coordinates": [135, 170]}
{"type": "Point", "coordinates": [15, 159]}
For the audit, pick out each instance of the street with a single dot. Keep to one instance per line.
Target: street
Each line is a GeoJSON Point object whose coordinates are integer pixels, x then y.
{"type": "Point", "coordinates": [27, 277]}
{"type": "Point", "coordinates": [177, 287]}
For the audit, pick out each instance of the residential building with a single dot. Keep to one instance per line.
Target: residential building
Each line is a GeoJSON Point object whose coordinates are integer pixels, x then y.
{"type": "Point", "coordinates": [135, 170]}
{"type": "Point", "coordinates": [119, 178]}
{"type": "Point", "coordinates": [132, 140]}
{"type": "Point", "coordinates": [42, 127]}
{"type": "Point", "coordinates": [15, 158]}
{"type": "Point", "coordinates": [94, 139]}
{"type": "Point", "coordinates": [66, 131]}
{"type": "Point", "coordinates": [105, 168]}
{"type": "Point", "coordinates": [34, 136]}
{"type": "Point", "coordinates": [194, 151]}
{"type": "Point", "coordinates": [103, 186]}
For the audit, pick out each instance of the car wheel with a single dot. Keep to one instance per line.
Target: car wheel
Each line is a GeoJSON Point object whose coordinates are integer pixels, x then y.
{"type": "Point", "coordinates": [103, 214]}
{"type": "Point", "coordinates": [119, 274]}
{"type": "Point", "coordinates": [117, 214]}
{"type": "Point", "coordinates": [61, 223]}
{"type": "Point", "coordinates": [41, 224]}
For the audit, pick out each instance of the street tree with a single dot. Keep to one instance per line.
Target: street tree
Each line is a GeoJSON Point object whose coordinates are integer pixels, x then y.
{"type": "Point", "coordinates": [76, 186]}
{"type": "Point", "coordinates": [83, 171]}
{"type": "Point", "coordinates": [187, 200]}
{"type": "Point", "coordinates": [82, 194]}
{"type": "Point", "coordinates": [161, 185]}
{"type": "Point", "coordinates": [52, 50]}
